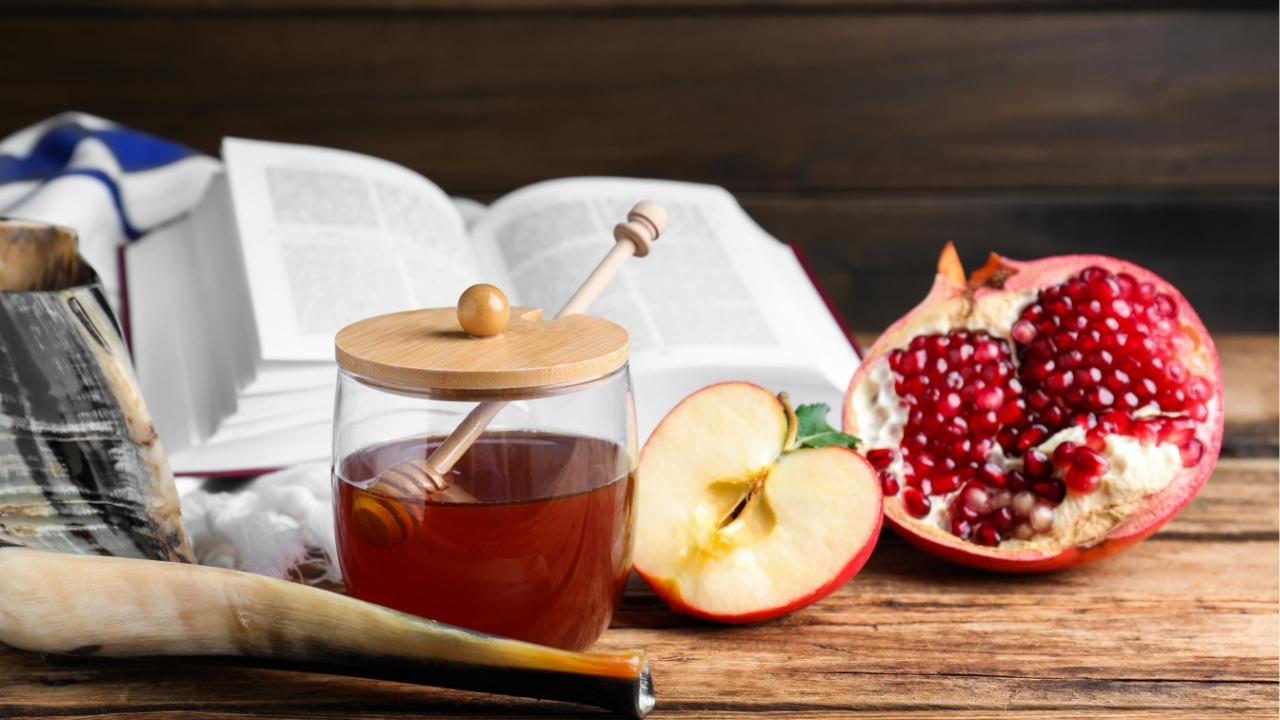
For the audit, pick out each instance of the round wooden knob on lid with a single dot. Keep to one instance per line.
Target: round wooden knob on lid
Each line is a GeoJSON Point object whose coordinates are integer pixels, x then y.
{"type": "Point", "coordinates": [483, 310]}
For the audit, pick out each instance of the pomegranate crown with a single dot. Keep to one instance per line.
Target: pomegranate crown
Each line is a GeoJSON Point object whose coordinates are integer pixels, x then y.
{"type": "Point", "coordinates": [993, 274]}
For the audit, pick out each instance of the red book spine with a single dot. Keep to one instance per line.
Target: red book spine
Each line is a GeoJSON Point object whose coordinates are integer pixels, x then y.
{"type": "Point", "coordinates": [826, 299]}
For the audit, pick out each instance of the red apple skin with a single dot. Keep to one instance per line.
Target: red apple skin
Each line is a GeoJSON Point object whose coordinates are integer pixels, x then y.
{"type": "Point", "coordinates": [669, 594]}
{"type": "Point", "coordinates": [1149, 517]}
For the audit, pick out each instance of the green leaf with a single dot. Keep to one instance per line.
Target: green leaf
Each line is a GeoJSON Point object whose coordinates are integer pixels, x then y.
{"type": "Point", "coordinates": [815, 432]}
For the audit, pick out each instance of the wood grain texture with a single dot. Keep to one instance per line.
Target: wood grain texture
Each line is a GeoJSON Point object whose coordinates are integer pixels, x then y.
{"type": "Point", "coordinates": [753, 101]}
{"type": "Point", "coordinates": [1184, 625]}
{"type": "Point", "coordinates": [875, 255]}
{"type": "Point", "coordinates": [606, 6]}
{"type": "Point", "coordinates": [427, 349]}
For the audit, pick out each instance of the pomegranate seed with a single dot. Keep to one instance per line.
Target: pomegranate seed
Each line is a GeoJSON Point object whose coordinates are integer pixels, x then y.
{"type": "Point", "coordinates": [1023, 331]}
{"type": "Point", "coordinates": [945, 483]}
{"type": "Point", "coordinates": [1171, 400]}
{"type": "Point", "coordinates": [1041, 517]}
{"type": "Point", "coordinates": [954, 429]}
{"type": "Point", "coordinates": [1013, 411]}
{"type": "Point", "coordinates": [889, 484]}
{"type": "Point", "coordinates": [1037, 465]}
{"type": "Point", "coordinates": [988, 536]}
{"type": "Point", "coordinates": [1115, 421]}
{"type": "Point", "coordinates": [1052, 490]}
{"type": "Point", "coordinates": [1178, 431]}
{"type": "Point", "coordinates": [1096, 439]}
{"type": "Point", "coordinates": [880, 457]}
{"type": "Point", "coordinates": [1002, 498]}
{"type": "Point", "coordinates": [977, 499]}
{"type": "Point", "coordinates": [1081, 484]}
{"type": "Point", "coordinates": [915, 502]}
{"type": "Point", "coordinates": [1038, 400]}
{"type": "Point", "coordinates": [1060, 305]}
{"type": "Point", "coordinates": [1023, 531]}
{"type": "Point", "coordinates": [1057, 383]}
{"type": "Point", "coordinates": [1023, 502]}
{"type": "Point", "coordinates": [991, 474]}
{"type": "Point", "coordinates": [1003, 518]}
{"type": "Point", "coordinates": [1018, 481]}
{"type": "Point", "coordinates": [1031, 436]}
{"type": "Point", "coordinates": [1088, 461]}
{"type": "Point", "coordinates": [1198, 412]}
{"type": "Point", "coordinates": [1087, 377]}
{"type": "Point", "coordinates": [1062, 454]}
{"type": "Point", "coordinates": [1145, 433]}
{"type": "Point", "coordinates": [1101, 398]}
{"type": "Point", "coordinates": [989, 398]}
{"type": "Point", "coordinates": [949, 404]}
{"type": "Point", "coordinates": [961, 529]}
{"type": "Point", "coordinates": [1198, 390]}
{"type": "Point", "coordinates": [985, 423]}
{"type": "Point", "coordinates": [1116, 380]}
{"type": "Point", "coordinates": [1191, 453]}
{"type": "Point", "coordinates": [985, 351]}
{"type": "Point", "coordinates": [1008, 438]}
{"type": "Point", "coordinates": [1038, 371]}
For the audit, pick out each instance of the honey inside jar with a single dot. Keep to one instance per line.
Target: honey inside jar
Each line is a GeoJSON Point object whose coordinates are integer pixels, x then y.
{"type": "Point", "coordinates": [542, 555]}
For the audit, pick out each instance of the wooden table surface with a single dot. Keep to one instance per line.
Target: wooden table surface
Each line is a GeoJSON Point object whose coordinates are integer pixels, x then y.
{"type": "Point", "coordinates": [1182, 625]}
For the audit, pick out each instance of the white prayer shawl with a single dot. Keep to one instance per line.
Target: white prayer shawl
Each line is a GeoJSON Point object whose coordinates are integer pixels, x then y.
{"type": "Point", "coordinates": [109, 183]}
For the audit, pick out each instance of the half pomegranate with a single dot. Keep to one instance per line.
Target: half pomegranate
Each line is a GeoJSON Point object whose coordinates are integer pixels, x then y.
{"type": "Point", "coordinates": [1041, 415]}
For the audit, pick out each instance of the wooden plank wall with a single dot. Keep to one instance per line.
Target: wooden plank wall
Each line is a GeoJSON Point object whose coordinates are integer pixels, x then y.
{"type": "Point", "coordinates": [868, 132]}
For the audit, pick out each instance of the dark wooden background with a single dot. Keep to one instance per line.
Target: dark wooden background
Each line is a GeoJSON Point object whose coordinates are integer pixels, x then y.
{"type": "Point", "coordinates": [867, 131]}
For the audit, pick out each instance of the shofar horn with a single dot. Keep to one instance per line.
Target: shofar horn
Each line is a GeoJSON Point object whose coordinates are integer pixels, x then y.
{"type": "Point", "coordinates": [83, 470]}
{"type": "Point", "coordinates": [123, 608]}
{"type": "Point", "coordinates": [85, 473]}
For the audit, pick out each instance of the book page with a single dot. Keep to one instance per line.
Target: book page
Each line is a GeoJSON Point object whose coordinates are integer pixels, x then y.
{"type": "Point", "coordinates": [717, 299]}
{"type": "Point", "coordinates": [331, 237]}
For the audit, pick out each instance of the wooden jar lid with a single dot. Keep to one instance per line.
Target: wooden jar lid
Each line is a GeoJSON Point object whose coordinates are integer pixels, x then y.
{"type": "Point", "coordinates": [428, 350]}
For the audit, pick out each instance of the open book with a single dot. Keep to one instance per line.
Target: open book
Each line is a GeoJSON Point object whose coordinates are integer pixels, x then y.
{"type": "Point", "coordinates": [232, 311]}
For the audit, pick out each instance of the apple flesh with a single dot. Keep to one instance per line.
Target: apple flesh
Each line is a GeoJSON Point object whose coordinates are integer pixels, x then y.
{"type": "Point", "coordinates": [736, 526]}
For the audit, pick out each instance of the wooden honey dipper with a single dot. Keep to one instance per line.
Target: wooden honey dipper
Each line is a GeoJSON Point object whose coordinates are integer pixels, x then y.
{"type": "Point", "coordinates": [392, 506]}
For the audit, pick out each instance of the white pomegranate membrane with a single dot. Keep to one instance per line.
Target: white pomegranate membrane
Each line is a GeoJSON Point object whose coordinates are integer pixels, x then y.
{"type": "Point", "coordinates": [1006, 444]}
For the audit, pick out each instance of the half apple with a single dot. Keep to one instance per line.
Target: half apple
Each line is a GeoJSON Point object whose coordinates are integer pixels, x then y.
{"type": "Point", "coordinates": [748, 511]}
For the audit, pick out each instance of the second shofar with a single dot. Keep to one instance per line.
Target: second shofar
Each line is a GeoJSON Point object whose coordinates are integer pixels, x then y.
{"type": "Point", "coordinates": [89, 606]}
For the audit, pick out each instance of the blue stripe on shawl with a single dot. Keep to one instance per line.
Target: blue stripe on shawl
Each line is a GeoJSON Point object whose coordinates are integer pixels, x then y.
{"type": "Point", "coordinates": [133, 150]}
{"type": "Point", "coordinates": [126, 226]}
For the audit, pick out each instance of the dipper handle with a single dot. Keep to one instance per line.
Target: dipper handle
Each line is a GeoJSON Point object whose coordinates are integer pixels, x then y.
{"type": "Point", "coordinates": [389, 511]}
{"type": "Point", "coordinates": [644, 224]}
